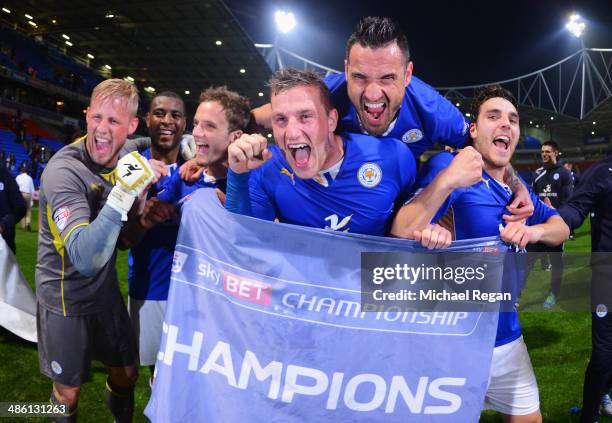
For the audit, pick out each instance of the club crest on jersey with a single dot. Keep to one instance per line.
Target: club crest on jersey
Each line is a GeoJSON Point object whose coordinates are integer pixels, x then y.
{"type": "Point", "coordinates": [556, 176]}
{"type": "Point", "coordinates": [60, 217]}
{"type": "Point", "coordinates": [57, 369]}
{"type": "Point", "coordinates": [1, 186]}
{"type": "Point", "coordinates": [412, 135]}
{"type": "Point", "coordinates": [601, 310]}
{"type": "Point", "coordinates": [369, 175]}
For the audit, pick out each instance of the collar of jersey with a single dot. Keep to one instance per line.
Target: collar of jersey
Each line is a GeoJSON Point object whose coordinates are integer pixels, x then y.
{"type": "Point", "coordinates": [327, 176]}
{"type": "Point", "coordinates": [492, 181]}
{"type": "Point", "coordinates": [208, 179]}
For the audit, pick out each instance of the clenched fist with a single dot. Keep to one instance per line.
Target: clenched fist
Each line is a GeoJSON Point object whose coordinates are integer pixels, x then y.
{"type": "Point", "coordinates": [248, 152]}
{"type": "Point", "coordinates": [466, 168]}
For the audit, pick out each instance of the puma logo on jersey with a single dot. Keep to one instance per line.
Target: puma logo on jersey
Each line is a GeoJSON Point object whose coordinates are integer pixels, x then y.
{"type": "Point", "coordinates": [284, 171]}
{"type": "Point", "coordinates": [335, 226]}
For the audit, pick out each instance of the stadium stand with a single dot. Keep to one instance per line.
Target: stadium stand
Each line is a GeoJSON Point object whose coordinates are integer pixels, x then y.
{"type": "Point", "coordinates": [8, 145]}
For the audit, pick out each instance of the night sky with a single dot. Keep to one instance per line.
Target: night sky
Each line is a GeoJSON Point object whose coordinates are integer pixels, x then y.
{"type": "Point", "coordinates": [451, 43]}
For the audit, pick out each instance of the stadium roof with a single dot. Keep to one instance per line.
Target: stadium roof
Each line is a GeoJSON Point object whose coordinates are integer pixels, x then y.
{"type": "Point", "coordinates": [569, 101]}
{"type": "Point", "coordinates": [184, 45]}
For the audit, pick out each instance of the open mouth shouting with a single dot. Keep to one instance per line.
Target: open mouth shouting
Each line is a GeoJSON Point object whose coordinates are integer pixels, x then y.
{"type": "Point", "coordinates": [102, 145]}
{"type": "Point", "coordinates": [374, 112]}
{"type": "Point", "coordinates": [300, 154]}
{"type": "Point", "coordinates": [202, 148]}
{"type": "Point", "coordinates": [501, 143]}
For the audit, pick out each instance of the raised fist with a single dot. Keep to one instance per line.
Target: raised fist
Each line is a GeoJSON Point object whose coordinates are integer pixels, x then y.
{"type": "Point", "coordinates": [248, 152]}
{"type": "Point", "coordinates": [133, 175]}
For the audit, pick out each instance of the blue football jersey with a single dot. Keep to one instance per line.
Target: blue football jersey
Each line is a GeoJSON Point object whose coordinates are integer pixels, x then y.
{"type": "Point", "coordinates": [150, 260]}
{"type": "Point", "coordinates": [374, 178]}
{"type": "Point", "coordinates": [425, 117]}
{"type": "Point", "coordinates": [477, 212]}
{"type": "Point", "coordinates": [177, 189]}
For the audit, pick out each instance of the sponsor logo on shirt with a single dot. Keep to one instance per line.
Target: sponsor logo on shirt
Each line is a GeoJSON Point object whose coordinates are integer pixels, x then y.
{"type": "Point", "coordinates": [369, 175]}
{"type": "Point", "coordinates": [60, 217]}
{"type": "Point", "coordinates": [412, 135]}
{"type": "Point", "coordinates": [335, 224]}
{"type": "Point", "coordinates": [284, 171]}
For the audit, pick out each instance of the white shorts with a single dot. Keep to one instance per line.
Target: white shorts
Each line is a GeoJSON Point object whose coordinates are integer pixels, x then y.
{"type": "Point", "coordinates": [147, 319]}
{"type": "Point", "coordinates": [513, 389]}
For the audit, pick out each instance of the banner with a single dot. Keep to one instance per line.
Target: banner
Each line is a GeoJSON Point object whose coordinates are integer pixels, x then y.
{"type": "Point", "coordinates": [264, 324]}
{"type": "Point", "coordinates": [17, 301]}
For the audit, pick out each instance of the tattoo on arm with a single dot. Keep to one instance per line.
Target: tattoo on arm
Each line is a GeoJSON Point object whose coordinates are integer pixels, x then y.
{"type": "Point", "coordinates": [511, 178]}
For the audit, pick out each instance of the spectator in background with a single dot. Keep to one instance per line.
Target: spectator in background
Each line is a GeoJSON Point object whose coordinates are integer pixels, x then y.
{"type": "Point", "coordinates": [553, 184]}
{"type": "Point", "coordinates": [26, 186]}
{"type": "Point", "coordinates": [10, 162]}
{"type": "Point", "coordinates": [42, 161]}
{"type": "Point", "coordinates": [594, 195]}
{"type": "Point", "coordinates": [12, 207]}
{"type": "Point", "coordinates": [570, 166]}
{"type": "Point", "coordinates": [42, 155]}
{"type": "Point", "coordinates": [35, 157]}
{"type": "Point", "coordinates": [19, 128]}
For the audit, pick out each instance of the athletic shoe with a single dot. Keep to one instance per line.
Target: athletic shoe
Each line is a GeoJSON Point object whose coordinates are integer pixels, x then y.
{"type": "Point", "coordinates": [550, 301]}
{"type": "Point", "coordinates": [605, 408]}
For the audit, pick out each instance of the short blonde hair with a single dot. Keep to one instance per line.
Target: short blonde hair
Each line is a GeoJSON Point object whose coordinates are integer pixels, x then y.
{"type": "Point", "coordinates": [288, 78]}
{"type": "Point", "coordinates": [117, 89]}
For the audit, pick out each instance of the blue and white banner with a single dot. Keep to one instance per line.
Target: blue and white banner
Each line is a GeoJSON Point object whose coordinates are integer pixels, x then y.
{"type": "Point", "coordinates": [264, 325]}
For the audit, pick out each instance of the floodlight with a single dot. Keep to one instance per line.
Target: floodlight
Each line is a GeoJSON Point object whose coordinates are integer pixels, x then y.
{"type": "Point", "coordinates": [576, 25]}
{"type": "Point", "coordinates": [285, 21]}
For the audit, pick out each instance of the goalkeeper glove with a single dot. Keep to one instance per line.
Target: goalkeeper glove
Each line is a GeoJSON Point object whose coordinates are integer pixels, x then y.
{"type": "Point", "coordinates": [133, 175]}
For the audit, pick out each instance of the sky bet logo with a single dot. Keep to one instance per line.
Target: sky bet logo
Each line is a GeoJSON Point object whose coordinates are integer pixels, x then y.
{"type": "Point", "coordinates": [247, 289]}
{"type": "Point", "coordinates": [237, 286]}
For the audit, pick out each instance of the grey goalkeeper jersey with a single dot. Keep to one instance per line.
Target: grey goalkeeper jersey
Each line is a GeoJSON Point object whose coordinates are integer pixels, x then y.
{"type": "Point", "coordinates": [73, 190]}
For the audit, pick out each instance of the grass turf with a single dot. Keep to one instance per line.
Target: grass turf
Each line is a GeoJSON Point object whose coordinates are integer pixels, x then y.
{"type": "Point", "coordinates": [559, 345]}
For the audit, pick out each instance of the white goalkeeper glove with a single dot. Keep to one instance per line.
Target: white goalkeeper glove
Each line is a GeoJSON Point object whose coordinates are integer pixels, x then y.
{"type": "Point", "coordinates": [188, 147]}
{"type": "Point", "coordinates": [133, 175]}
